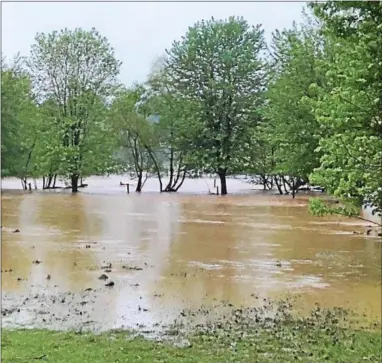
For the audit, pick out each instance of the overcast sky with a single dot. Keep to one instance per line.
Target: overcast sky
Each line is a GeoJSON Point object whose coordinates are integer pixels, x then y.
{"type": "Point", "coordinates": [139, 32]}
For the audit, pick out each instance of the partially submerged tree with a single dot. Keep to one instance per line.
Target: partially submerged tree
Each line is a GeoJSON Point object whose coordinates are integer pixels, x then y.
{"type": "Point", "coordinates": [133, 133]}
{"type": "Point", "coordinates": [349, 107]}
{"type": "Point", "coordinates": [292, 129]}
{"type": "Point", "coordinates": [76, 71]}
{"type": "Point", "coordinates": [217, 67]}
{"type": "Point", "coordinates": [174, 118]}
{"type": "Point", "coordinates": [19, 122]}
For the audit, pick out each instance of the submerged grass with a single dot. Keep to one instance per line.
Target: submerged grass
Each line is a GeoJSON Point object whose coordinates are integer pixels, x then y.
{"type": "Point", "coordinates": [239, 337]}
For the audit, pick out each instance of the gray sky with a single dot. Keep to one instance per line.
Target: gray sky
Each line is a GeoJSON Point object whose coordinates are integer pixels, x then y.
{"type": "Point", "coordinates": [139, 31]}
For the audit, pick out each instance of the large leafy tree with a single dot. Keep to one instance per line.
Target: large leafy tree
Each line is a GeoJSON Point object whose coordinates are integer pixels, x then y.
{"type": "Point", "coordinates": [173, 126]}
{"type": "Point", "coordinates": [292, 127]}
{"type": "Point", "coordinates": [19, 121]}
{"type": "Point", "coordinates": [217, 67]}
{"type": "Point", "coordinates": [76, 72]}
{"type": "Point", "coordinates": [349, 106]}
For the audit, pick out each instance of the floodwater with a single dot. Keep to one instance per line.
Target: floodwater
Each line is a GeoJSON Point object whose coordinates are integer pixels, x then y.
{"type": "Point", "coordinates": [177, 251]}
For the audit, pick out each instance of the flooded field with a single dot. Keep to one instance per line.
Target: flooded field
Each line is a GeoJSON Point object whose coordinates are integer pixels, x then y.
{"type": "Point", "coordinates": [170, 252]}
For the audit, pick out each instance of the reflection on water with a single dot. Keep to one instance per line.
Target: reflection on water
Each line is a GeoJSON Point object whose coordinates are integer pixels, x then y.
{"type": "Point", "coordinates": [192, 250]}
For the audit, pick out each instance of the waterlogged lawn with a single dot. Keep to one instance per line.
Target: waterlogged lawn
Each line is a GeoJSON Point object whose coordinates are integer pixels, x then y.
{"type": "Point", "coordinates": [279, 344]}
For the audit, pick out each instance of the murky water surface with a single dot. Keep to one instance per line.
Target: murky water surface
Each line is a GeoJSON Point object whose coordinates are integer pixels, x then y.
{"type": "Point", "coordinates": [170, 252]}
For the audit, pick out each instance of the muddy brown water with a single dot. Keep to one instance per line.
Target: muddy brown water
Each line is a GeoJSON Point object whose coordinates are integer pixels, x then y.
{"type": "Point", "coordinates": [181, 251]}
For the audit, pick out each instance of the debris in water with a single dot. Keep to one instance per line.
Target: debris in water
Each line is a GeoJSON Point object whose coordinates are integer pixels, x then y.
{"type": "Point", "coordinates": [132, 268]}
{"type": "Point", "coordinates": [103, 277]}
{"type": "Point", "coordinates": [36, 262]}
{"type": "Point", "coordinates": [110, 283]}
{"type": "Point", "coordinates": [108, 270]}
{"type": "Point", "coordinates": [16, 231]}
{"type": "Point", "coordinates": [278, 264]}
{"type": "Point", "coordinates": [48, 277]}
{"type": "Point", "coordinates": [87, 246]}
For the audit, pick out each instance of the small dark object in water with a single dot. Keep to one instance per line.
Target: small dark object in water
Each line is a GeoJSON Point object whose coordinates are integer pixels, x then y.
{"type": "Point", "coordinates": [278, 264]}
{"type": "Point", "coordinates": [48, 277]}
{"type": "Point", "coordinates": [16, 231]}
{"type": "Point", "coordinates": [355, 232]}
{"type": "Point", "coordinates": [379, 234]}
{"type": "Point", "coordinates": [37, 262]}
{"type": "Point", "coordinates": [110, 283]}
{"type": "Point", "coordinates": [132, 268]}
{"type": "Point", "coordinates": [103, 277]}
{"type": "Point", "coordinates": [89, 289]}
{"type": "Point", "coordinates": [368, 232]}
{"type": "Point", "coordinates": [19, 279]}
{"type": "Point", "coordinates": [108, 270]}
{"type": "Point", "coordinates": [108, 266]}
{"type": "Point", "coordinates": [87, 246]}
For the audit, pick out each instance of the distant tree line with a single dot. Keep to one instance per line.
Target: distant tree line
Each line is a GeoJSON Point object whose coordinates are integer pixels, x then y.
{"type": "Point", "coordinates": [304, 109]}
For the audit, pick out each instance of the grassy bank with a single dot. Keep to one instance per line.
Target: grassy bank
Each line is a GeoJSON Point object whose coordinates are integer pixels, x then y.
{"type": "Point", "coordinates": [289, 343]}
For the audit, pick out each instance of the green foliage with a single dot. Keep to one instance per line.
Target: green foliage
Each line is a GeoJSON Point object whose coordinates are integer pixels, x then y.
{"type": "Point", "coordinates": [74, 75]}
{"type": "Point", "coordinates": [217, 67]}
{"type": "Point", "coordinates": [308, 112]}
{"type": "Point", "coordinates": [292, 128]}
{"type": "Point", "coordinates": [133, 132]}
{"type": "Point", "coordinates": [18, 120]}
{"type": "Point", "coordinates": [348, 107]}
{"type": "Point", "coordinates": [319, 208]}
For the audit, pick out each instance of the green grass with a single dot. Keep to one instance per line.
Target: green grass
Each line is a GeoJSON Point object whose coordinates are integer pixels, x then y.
{"type": "Point", "coordinates": [287, 343]}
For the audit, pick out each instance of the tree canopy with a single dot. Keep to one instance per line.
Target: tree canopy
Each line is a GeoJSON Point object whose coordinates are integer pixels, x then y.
{"type": "Point", "coordinates": [303, 110]}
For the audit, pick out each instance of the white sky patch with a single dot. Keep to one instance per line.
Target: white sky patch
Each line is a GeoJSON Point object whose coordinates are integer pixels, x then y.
{"type": "Point", "coordinates": [139, 32]}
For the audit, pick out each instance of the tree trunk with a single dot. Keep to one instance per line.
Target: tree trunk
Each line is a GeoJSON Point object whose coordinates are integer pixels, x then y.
{"type": "Point", "coordinates": [278, 185]}
{"type": "Point", "coordinates": [24, 183]}
{"type": "Point", "coordinates": [74, 179]}
{"type": "Point", "coordinates": [284, 184]}
{"type": "Point", "coordinates": [139, 183]}
{"type": "Point", "coordinates": [170, 186]}
{"type": "Point", "coordinates": [54, 180]}
{"type": "Point", "coordinates": [182, 181]}
{"type": "Point", "coordinates": [223, 181]}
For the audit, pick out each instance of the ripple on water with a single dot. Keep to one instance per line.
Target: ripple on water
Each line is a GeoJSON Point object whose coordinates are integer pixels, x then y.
{"type": "Point", "coordinates": [206, 266]}
{"type": "Point", "coordinates": [201, 221]}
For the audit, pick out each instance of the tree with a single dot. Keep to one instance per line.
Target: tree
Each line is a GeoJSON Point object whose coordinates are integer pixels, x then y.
{"type": "Point", "coordinates": [292, 127]}
{"type": "Point", "coordinates": [349, 106]}
{"type": "Point", "coordinates": [134, 134]}
{"type": "Point", "coordinates": [19, 119]}
{"type": "Point", "coordinates": [76, 71]}
{"type": "Point", "coordinates": [174, 117]}
{"type": "Point", "coordinates": [218, 68]}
